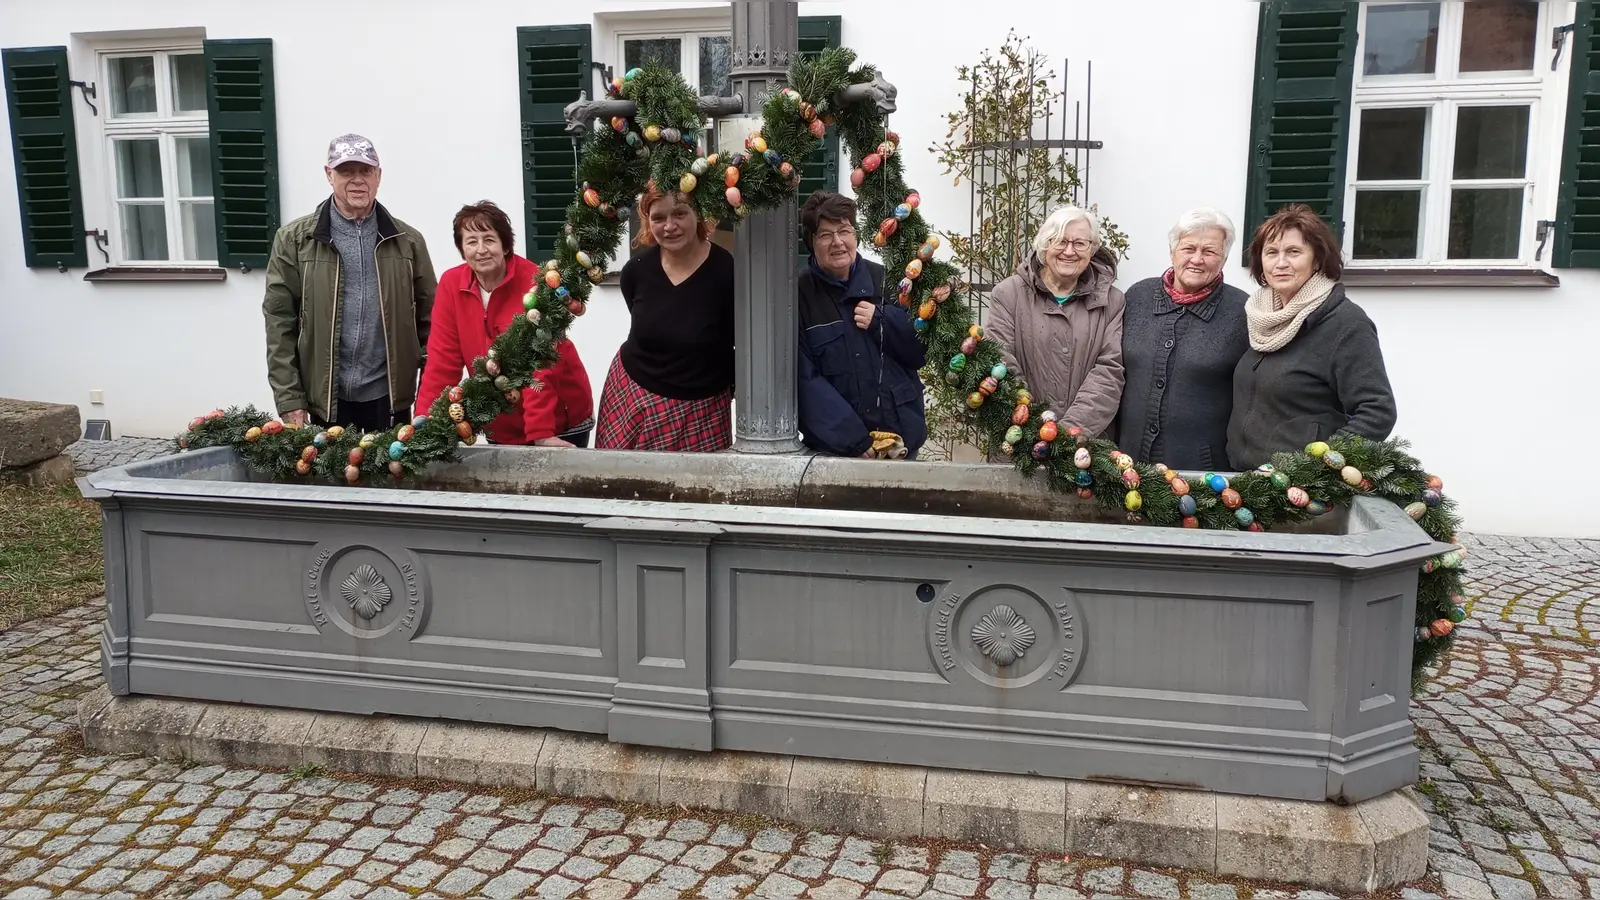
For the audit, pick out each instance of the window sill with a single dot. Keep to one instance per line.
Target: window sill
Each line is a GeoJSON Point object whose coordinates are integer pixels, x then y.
{"type": "Point", "coordinates": [1426, 277]}
{"type": "Point", "coordinates": [161, 274]}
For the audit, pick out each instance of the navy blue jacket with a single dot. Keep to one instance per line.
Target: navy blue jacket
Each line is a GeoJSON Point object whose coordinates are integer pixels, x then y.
{"type": "Point", "coordinates": [852, 381]}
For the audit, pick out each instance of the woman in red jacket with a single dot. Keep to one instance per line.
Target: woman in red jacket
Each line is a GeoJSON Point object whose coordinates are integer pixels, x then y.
{"type": "Point", "coordinates": [474, 305]}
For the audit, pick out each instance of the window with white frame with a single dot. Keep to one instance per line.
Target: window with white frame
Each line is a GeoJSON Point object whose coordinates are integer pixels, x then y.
{"type": "Point", "coordinates": [157, 148]}
{"type": "Point", "coordinates": [1446, 164]}
{"type": "Point", "coordinates": [701, 51]}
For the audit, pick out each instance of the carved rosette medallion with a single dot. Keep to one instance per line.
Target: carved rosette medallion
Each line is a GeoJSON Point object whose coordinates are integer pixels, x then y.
{"type": "Point", "coordinates": [1012, 635]}
{"type": "Point", "coordinates": [1003, 635]}
{"type": "Point", "coordinates": [366, 591]}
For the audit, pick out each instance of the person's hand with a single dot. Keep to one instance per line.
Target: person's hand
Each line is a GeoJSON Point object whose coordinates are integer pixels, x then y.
{"type": "Point", "coordinates": [864, 312]}
{"type": "Point", "coordinates": [868, 455]}
{"type": "Point", "coordinates": [296, 417]}
{"type": "Point", "coordinates": [553, 442]}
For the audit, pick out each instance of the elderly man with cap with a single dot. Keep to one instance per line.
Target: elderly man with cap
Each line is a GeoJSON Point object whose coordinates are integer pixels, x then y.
{"type": "Point", "coordinates": [349, 296]}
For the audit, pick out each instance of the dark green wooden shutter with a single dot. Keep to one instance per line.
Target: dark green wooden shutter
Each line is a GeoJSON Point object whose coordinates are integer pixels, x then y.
{"type": "Point", "coordinates": [44, 144]}
{"type": "Point", "coordinates": [1578, 205]}
{"type": "Point", "coordinates": [242, 106]}
{"type": "Point", "coordinates": [553, 66]}
{"type": "Point", "coordinates": [821, 171]}
{"type": "Point", "coordinates": [1299, 129]}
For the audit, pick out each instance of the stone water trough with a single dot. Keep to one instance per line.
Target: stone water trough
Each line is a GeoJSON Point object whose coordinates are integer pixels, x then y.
{"type": "Point", "coordinates": [941, 618]}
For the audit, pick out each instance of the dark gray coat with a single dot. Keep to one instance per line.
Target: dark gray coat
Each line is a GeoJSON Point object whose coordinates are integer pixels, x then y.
{"type": "Point", "coordinates": [1179, 363]}
{"type": "Point", "coordinates": [1329, 379]}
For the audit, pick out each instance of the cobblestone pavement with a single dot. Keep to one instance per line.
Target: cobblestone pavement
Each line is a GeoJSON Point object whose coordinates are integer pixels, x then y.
{"type": "Point", "coordinates": [77, 825]}
{"type": "Point", "coordinates": [1508, 727]}
{"type": "Point", "coordinates": [88, 456]}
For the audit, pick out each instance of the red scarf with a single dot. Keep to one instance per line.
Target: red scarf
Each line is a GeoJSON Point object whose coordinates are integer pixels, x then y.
{"type": "Point", "coordinates": [1179, 297]}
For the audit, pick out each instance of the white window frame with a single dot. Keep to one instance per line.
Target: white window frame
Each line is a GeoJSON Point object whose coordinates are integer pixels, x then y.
{"type": "Point", "coordinates": [688, 25]}
{"type": "Point", "coordinates": [167, 126]}
{"type": "Point", "coordinates": [1444, 92]}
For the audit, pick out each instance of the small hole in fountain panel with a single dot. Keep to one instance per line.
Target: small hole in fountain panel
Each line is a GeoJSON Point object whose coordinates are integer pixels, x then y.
{"type": "Point", "coordinates": [925, 592]}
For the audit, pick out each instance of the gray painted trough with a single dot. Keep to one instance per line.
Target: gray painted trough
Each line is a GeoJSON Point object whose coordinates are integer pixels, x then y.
{"type": "Point", "coordinates": [935, 614]}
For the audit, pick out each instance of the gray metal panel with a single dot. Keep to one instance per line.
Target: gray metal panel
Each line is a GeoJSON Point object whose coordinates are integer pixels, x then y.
{"type": "Point", "coordinates": [1268, 664]}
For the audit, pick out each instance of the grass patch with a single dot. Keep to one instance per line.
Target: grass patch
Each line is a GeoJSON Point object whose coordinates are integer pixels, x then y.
{"type": "Point", "coordinates": [1441, 803]}
{"type": "Point", "coordinates": [50, 553]}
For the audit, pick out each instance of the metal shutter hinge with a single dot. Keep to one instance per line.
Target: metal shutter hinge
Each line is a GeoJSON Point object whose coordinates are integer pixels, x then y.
{"type": "Point", "coordinates": [88, 93]}
{"type": "Point", "coordinates": [1542, 233]}
{"type": "Point", "coordinates": [1558, 39]}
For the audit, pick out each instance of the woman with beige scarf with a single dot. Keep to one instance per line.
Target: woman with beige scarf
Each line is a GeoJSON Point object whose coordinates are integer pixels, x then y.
{"type": "Point", "coordinates": [1314, 367]}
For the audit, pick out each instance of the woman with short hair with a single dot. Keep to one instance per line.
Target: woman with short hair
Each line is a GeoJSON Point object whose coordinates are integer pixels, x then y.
{"type": "Point", "coordinates": [670, 386]}
{"type": "Point", "coordinates": [1314, 368]}
{"type": "Point", "coordinates": [1182, 335]}
{"type": "Point", "coordinates": [475, 304]}
{"type": "Point", "coordinates": [857, 381]}
{"type": "Point", "coordinates": [1058, 320]}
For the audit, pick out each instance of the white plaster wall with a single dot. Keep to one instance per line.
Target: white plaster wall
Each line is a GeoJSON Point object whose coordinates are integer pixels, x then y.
{"type": "Point", "coordinates": [434, 85]}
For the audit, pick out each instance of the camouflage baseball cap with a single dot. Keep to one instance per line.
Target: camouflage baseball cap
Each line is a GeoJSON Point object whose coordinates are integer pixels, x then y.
{"type": "Point", "coordinates": [351, 148]}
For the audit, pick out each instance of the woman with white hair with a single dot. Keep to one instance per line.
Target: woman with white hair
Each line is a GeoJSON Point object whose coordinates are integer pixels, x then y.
{"type": "Point", "coordinates": [1058, 321]}
{"type": "Point", "coordinates": [1182, 335]}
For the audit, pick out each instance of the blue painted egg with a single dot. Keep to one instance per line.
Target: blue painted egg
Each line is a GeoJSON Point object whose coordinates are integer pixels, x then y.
{"type": "Point", "coordinates": [1216, 482]}
{"type": "Point", "coordinates": [320, 439]}
{"type": "Point", "coordinates": [1244, 515]}
{"type": "Point", "coordinates": [1041, 450]}
{"type": "Point", "coordinates": [901, 211]}
{"type": "Point", "coordinates": [1085, 478]}
{"type": "Point", "coordinates": [562, 292]}
{"type": "Point", "coordinates": [1432, 497]}
{"type": "Point", "coordinates": [999, 371]}
{"type": "Point", "coordinates": [1186, 504]}
{"type": "Point", "coordinates": [397, 450]}
{"type": "Point", "coordinates": [1458, 613]}
{"type": "Point", "coordinates": [1316, 507]}
{"type": "Point", "coordinates": [419, 421]}
{"type": "Point", "coordinates": [920, 324]}
{"type": "Point", "coordinates": [772, 157]}
{"type": "Point", "coordinates": [1334, 459]}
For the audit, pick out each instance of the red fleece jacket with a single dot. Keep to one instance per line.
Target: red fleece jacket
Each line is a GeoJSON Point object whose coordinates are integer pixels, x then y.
{"type": "Point", "coordinates": [463, 331]}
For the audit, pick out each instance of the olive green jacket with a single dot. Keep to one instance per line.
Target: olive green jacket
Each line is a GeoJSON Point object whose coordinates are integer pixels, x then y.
{"type": "Point", "coordinates": [303, 299]}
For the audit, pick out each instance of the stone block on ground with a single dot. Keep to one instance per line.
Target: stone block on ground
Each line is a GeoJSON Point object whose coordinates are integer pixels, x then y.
{"type": "Point", "coordinates": [572, 765]}
{"type": "Point", "coordinates": [251, 735]}
{"type": "Point", "coordinates": [1321, 844]}
{"type": "Point", "coordinates": [480, 754]}
{"type": "Point", "coordinates": [148, 726]}
{"type": "Point", "coordinates": [732, 782]}
{"type": "Point", "coordinates": [55, 470]}
{"type": "Point", "coordinates": [880, 800]}
{"type": "Point", "coordinates": [32, 432]}
{"type": "Point", "coordinates": [374, 745]}
{"type": "Point", "coordinates": [997, 810]}
{"type": "Point", "coordinates": [1399, 830]}
{"type": "Point", "coordinates": [1155, 827]}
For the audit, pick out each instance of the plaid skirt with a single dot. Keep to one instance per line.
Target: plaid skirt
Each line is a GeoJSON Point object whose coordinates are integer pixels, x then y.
{"type": "Point", "coordinates": [632, 418]}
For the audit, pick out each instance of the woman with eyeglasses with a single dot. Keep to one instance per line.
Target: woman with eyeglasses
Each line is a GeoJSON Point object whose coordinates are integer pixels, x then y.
{"type": "Point", "coordinates": [857, 382]}
{"type": "Point", "coordinates": [1058, 320]}
{"type": "Point", "coordinates": [1182, 335]}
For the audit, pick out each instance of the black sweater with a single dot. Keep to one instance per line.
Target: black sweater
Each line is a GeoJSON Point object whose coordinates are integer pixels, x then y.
{"type": "Point", "coordinates": [1329, 378]}
{"type": "Point", "coordinates": [680, 342]}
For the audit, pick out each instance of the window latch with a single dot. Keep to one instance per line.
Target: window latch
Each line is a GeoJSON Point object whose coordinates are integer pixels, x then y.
{"type": "Point", "coordinates": [1558, 39]}
{"type": "Point", "coordinates": [88, 93]}
{"type": "Point", "coordinates": [1542, 233]}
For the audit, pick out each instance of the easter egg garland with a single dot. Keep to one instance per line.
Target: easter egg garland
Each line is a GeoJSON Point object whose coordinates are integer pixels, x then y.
{"type": "Point", "coordinates": [620, 157]}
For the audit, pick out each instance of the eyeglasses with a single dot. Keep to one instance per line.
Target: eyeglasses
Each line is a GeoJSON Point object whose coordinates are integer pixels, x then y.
{"type": "Point", "coordinates": [1080, 245]}
{"type": "Point", "coordinates": [833, 237]}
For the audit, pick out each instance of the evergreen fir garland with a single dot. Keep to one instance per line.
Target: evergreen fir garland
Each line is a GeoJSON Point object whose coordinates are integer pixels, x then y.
{"type": "Point", "coordinates": [659, 145]}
